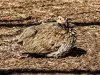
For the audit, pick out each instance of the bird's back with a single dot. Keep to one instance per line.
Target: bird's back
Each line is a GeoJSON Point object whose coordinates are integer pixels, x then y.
{"type": "Point", "coordinates": [48, 38]}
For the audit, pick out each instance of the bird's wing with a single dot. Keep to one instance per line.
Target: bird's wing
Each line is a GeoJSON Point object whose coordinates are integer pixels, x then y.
{"type": "Point", "coordinates": [28, 32]}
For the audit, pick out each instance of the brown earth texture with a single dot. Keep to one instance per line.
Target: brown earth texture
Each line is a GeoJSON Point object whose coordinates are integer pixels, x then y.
{"type": "Point", "coordinates": [83, 60]}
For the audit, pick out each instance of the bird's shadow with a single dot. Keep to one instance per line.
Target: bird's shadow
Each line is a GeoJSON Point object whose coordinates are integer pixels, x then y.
{"type": "Point", "coordinates": [75, 52]}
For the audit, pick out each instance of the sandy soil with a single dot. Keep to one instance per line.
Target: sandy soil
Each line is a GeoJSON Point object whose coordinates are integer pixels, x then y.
{"type": "Point", "coordinates": [85, 59]}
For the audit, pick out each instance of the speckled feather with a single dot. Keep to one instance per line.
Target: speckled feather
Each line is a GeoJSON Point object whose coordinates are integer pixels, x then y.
{"type": "Point", "coordinates": [48, 38]}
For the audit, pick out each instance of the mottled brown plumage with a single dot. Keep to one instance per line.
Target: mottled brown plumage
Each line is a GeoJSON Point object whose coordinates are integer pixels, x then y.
{"type": "Point", "coordinates": [47, 38]}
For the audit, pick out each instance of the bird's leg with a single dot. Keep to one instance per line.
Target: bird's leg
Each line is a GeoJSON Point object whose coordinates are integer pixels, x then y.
{"type": "Point", "coordinates": [65, 48]}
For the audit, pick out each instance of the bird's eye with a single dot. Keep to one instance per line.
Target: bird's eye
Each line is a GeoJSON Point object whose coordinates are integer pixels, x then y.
{"type": "Point", "coordinates": [60, 19]}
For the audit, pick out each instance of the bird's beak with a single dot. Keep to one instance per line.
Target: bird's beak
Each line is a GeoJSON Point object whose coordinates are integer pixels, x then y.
{"type": "Point", "coordinates": [57, 19]}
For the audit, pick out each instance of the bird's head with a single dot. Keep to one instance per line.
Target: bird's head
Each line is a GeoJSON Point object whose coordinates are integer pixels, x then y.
{"type": "Point", "coordinates": [60, 20]}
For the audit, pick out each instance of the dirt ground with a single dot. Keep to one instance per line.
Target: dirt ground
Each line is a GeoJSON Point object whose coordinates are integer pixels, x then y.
{"type": "Point", "coordinates": [85, 59]}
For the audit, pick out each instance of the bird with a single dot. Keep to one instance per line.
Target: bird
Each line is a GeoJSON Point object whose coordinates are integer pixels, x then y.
{"type": "Point", "coordinates": [48, 39]}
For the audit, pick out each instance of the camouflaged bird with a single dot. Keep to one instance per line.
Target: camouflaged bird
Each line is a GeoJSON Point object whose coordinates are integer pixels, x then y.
{"type": "Point", "coordinates": [50, 39]}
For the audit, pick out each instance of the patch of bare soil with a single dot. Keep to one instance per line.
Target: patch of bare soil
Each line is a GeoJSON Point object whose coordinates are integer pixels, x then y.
{"type": "Point", "coordinates": [85, 59]}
